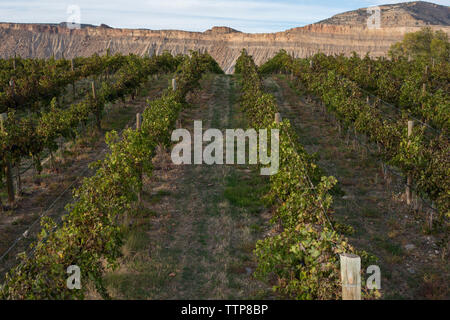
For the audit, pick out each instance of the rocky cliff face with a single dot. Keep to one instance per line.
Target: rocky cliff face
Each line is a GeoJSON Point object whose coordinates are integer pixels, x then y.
{"type": "Point", "coordinates": [224, 44]}
{"type": "Point", "coordinates": [410, 14]}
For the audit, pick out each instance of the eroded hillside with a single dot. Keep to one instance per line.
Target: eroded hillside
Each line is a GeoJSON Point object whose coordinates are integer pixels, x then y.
{"type": "Point", "coordinates": [341, 34]}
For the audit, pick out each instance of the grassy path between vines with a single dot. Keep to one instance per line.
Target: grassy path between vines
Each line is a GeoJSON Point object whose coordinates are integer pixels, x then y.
{"type": "Point", "coordinates": [194, 237]}
{"type": "Point", "coordinates": [413, 264]}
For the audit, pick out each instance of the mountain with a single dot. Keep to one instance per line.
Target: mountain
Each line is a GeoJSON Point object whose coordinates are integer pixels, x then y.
{"type": "Point", "coordinates": [409, 14]}
{"type": "Point", "coordinates": [343, 33]}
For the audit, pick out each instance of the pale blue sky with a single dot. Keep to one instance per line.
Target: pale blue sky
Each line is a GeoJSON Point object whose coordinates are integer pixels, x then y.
{"type": "Point", "coordinates": [192, 15]}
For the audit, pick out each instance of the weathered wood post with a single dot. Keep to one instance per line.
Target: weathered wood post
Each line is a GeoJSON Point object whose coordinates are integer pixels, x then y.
{"type": "Point", "coordinates": [93, 90]}
{"type": "Point", "coordinates": [178, 124]}
{"type": "Point", "coordinates": [409, 178]}
{"type": "Point", "coordinates": [350, 276]}
{"type": "Point", "coordinates": [7, 162]}
{"type": "Point", "coordinates": [174, 84]}
{"type": "Point", "coordinates": [425, 75]}
{"type": "Point", "coordinates": [138, 121]}
{"type": "Point", "coordinates": [277, 117]}
{"type": "Point", "coordinates": [12, 85]}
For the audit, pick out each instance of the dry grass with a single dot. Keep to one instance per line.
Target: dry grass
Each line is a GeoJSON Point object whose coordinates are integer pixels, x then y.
{"type": "Point", "coordinates": [198, 245]}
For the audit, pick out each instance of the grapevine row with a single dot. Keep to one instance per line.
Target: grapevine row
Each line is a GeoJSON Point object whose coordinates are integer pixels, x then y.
{"type": "Point", "coordinates": [32, 83]}
{"type": "Point", "coordinates": [416, 86]}
{"type": "Point", "coordinates": [91, 235]}
{"type": "Point", "coordinates": [30, 136]}
{"type": "Point", "coordinates": [422, 158]}
{"type": "Point", "coordinates": [305, 254]}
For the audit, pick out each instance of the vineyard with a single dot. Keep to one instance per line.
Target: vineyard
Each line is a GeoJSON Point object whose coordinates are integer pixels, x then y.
{"type": "Point", "coordinates": [363, 170]}
{"type": "Point", "coordinates": [91, 233]}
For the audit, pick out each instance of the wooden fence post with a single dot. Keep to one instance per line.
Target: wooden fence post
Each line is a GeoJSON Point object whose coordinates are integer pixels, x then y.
{"type": "Point", "coordinates": [350, 276]}
{"type": "Point", "coordinates": [409, 178]}
{"type": "Point", "coordinates": [138, 121]}
{"type": "Point", "coordinates": [12, 84]}
{"type": "Point", "coordinates": [277, 117]}
{"type": "Point", "coordinates": [174, 84]}
{"type": "Point", "coordinates": [93, 90]}
{"type": "Point", "coordinates": [424, 86]}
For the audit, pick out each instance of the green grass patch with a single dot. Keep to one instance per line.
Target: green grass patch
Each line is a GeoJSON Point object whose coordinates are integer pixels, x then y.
{"type": "Point", "coordinates": [136, 241]}
{"type": "Point", "coordinates": [246, 190]}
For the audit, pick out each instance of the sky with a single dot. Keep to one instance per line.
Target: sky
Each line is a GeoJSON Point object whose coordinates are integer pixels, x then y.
{"type": "Point", "coordinates": [192, 15]}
